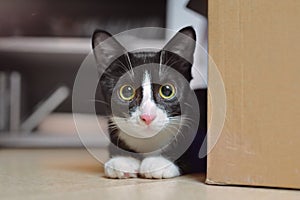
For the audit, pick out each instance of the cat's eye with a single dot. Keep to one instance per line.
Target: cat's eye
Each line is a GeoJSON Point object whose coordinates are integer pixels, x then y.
{"type": "Point", "coordinates": [167, 91]}
{"type": "Point", "coordinates": [127, 92]}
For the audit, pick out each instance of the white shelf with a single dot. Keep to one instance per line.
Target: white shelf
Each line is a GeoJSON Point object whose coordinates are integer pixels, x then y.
{"type": "Point", "coordinates": [62, 45]}
{"type": "Point", "coordinates": [45, 45]}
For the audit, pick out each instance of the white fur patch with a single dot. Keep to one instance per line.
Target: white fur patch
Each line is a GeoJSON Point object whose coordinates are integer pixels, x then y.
{"type": "Point", "coordinates": [122, 167]}
{"type": "Point", "coordinates": [148, 105]}
{"type": "Point", "coordinates": [158, 167]}
{"type": "Point", "coordinates": [147, 90]}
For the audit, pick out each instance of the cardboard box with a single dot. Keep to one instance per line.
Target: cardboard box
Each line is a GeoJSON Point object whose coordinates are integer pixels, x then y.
{"type": "Point", "coordinates": [256, 46]}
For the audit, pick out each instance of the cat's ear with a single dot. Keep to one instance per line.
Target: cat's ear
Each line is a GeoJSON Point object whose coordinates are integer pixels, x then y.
{"type": "Point", "coordinates": [106, 48]}
{"type": "Point", "coordinates": [183, 43]}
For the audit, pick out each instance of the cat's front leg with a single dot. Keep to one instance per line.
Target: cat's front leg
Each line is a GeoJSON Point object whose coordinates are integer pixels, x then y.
{"type": "Point", "coordinates": [122, 167]}
{"type": "Point", "coordinates": [158, 167]}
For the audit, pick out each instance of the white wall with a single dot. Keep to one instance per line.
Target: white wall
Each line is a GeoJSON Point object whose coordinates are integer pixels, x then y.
{"type": "Point", "coordinates": [179, 16]}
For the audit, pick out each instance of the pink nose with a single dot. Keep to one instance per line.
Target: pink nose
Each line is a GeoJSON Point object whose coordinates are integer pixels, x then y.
{"type": "Point", "coordinates": [147, 118]}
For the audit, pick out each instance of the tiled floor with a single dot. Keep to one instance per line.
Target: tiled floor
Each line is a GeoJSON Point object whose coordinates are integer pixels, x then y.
{"type": "Point", "coordinates": [74, 174]}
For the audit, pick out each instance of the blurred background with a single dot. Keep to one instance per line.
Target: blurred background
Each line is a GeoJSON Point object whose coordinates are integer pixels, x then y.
{"type": "Point", "coordinates": [42, 45]}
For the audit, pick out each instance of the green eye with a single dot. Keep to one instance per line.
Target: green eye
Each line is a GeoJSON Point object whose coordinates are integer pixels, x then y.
{"type": "Point", "coordinates": [127, 92]}
{"type": "Point", "coordinates": [167, 91]}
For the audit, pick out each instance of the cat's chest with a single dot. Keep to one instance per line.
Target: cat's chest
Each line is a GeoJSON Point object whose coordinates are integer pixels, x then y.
{"type": "Point", "coordinates": [151, 144]}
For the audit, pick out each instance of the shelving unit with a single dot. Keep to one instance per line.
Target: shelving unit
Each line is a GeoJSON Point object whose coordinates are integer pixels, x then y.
{"type": "Point", "coordinates": [33, 57]}
{"type": "Point", "coordinates": [46, 42]}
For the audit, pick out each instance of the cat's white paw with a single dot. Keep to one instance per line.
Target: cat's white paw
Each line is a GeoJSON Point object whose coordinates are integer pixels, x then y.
{"type": "Point", "coordinates": [122, 167]}
{"type": "Point", "coordinates": [158, 167]}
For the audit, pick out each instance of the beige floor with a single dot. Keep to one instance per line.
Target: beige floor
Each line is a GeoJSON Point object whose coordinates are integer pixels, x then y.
{"type": "Point", "coordinates": [74, 174]}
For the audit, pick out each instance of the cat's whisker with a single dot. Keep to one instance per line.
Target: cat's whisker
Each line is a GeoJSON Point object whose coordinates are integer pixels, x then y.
{"type": "Point", "coordinates": [174, 133]}
{"type": "Point", "coordinates": [178, 132]}
{"type": "Point", "coordinates": [189, 105]}
{"type": "Point", "coordinates": [122, 63]}
{"type": "Point", "coordinates": [186, 122]}
{"type": "Point", "coordinates": [175, 117]}
{"type": "Point", "coordinates": [173, 128]}
{"type": "Point", "coordinates": [170, 131]}
{"type": "Point", "coordinates": [175, 62]}
{"type": "Point", "coordinates": [130, 65]}
{"type": "Point", "coordinates": [122, 67]}
{"type": "Point", "coordinates": [160, 61]}
{"type": "Point", "coordinates": [171, 57]}
{"type": "Point", "coordinates": [109, 74]}
{"type": "Point", "coordinates": [187, 119]}
{"type": "Point", "coordinates": [174, 123]}
{"type": "Point", "coordinates": [177, 122]}
{"type": "Point", "coordinates": [98, 101]}
{"type": "Point", "coordinates": [186, 125]}
{"type": "Point", "coordinates": [126, 68]}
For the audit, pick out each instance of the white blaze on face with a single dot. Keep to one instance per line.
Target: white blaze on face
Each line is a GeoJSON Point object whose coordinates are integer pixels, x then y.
{"type": "Point", "coordinates": [148, 106]}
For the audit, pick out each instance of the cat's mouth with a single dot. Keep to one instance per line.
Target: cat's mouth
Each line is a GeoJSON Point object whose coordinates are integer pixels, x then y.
{"type": "Point", "coordinates": [138, 129]}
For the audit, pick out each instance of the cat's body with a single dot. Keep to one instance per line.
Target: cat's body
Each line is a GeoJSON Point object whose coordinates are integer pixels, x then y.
{"type": "Point", "coordinates": [152, 123]}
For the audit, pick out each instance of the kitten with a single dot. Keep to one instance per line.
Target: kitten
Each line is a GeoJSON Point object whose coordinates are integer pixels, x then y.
{"type": "Point", "coordinates": [152, 125]}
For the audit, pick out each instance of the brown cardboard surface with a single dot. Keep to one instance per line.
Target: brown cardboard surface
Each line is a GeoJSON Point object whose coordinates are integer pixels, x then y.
{"type": "Point", "coordinates": [256, 46]}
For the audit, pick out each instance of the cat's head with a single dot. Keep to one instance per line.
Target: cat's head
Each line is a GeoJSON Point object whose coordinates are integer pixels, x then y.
{"type": "Point", "coordinates": [144, 89]}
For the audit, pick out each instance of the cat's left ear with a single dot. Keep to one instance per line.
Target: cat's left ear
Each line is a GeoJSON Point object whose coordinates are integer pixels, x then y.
{"type": "Point", "coordinates": [183, 43]}
{"type": "Point", "coordinates": [106, 48]}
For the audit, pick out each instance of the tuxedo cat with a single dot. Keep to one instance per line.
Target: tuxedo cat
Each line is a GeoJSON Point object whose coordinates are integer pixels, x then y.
{"type": "Point", "coordinates": [152, 123]}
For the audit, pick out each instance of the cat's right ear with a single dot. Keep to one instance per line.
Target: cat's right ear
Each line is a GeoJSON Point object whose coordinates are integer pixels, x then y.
{"type": "Point", "coordinates": [106, 48]}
